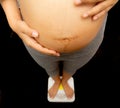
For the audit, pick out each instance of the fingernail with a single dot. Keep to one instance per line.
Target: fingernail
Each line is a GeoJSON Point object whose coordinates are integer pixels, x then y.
{"type": "Point", "coordinates": [78, 1]}
{"type": "Point", "coordinates": [95, 18]}
{"type": "Point", "coordinates": [35, 34]}
{"type": "Point", "coordinates": [85, 15]}
{"type": "Point", "coordinates": [58, 54]}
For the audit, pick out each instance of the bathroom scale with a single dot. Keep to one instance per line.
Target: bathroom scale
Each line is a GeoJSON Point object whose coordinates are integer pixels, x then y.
{"type": "Point", "coordinates": [60, 96]}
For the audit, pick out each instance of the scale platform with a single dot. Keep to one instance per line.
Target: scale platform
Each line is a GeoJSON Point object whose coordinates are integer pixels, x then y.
{"type": "Point", "coordinates": [60, 96]}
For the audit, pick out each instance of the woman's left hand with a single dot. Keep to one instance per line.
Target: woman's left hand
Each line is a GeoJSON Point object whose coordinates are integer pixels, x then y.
{"type": "Point", "coordinates": [101, 7]}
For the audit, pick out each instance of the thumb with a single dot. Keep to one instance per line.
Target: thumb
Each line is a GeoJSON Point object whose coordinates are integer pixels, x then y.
{"type": "Point", "coordinates": [29, 31]}
{"type": "Point", "coordinates": [34, 33]}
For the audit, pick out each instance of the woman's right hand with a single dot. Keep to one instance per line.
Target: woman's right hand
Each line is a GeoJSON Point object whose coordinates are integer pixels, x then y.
{"type": "Point", "coordinates": [28, 36]}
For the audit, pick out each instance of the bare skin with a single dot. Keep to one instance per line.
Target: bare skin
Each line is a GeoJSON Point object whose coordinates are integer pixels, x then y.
{"type": "Point", "coordinates": [28, 34]}
{"type": "Point", "coordinates": [100, 9]}
{"type": "Point", "coordinates": [20, 27]}
{"type": "Point", "coordinates": [64, 81]}
{"type": "Point", "coordinates": [68, 90]}
{"type": "Point", "coordinates": [54, 89]}
{"type": "Point", "coordinates": [96, 13]}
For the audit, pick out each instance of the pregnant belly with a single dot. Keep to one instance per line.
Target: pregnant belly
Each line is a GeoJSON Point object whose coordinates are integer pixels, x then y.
{"type": "Point", "coordinates": [60, 24]}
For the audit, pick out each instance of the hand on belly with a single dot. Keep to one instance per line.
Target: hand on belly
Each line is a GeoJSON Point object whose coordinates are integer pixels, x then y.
{"type": "Point", "coordinates": [59, 24]}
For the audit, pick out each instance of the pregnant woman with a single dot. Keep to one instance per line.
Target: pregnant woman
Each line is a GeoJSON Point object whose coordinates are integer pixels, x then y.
{"type": "Point", "coordinates": [59, 34]}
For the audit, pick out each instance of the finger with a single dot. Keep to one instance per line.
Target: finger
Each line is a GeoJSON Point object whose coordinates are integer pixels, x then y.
{"type": "Point", "coordinates": [44, 50]}
{"type": "Point", "coordinates": [29, 31]}
{"type": "Point", "coordinates": [31, 42]}
{"type": "Point", "coordinates": [91, 1]}
{"type": "Point", "coordinates": [96, 9]}
{"type": "Point", "coordinates": [101, 13]}
{"type": "Point", "coordinates": [104, 6]}
{"type": "Point", "coordinates": [49, 51]}
{"type": "Point", "coordinates": [78, 2]}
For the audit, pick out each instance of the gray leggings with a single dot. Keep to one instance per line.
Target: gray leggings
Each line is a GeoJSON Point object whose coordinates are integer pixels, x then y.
{"type": "Point", "coordinates": [71, 61]}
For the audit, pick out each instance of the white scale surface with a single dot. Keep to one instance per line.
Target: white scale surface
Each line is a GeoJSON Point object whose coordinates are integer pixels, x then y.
{"type": "Point", "coordinates": [60, 96]}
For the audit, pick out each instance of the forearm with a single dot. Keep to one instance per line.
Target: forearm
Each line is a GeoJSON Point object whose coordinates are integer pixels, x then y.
{"type": "Point", "coordinates": [12, 12]}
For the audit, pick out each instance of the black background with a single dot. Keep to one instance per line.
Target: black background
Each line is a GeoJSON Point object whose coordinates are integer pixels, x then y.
{"type": "Point", "coordinates": [24, 84]}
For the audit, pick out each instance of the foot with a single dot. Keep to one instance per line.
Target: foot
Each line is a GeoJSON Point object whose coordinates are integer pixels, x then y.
{"type": "Point", "coordinates": [54, 89]}
{"type": "Point", "coordinates": [68, 90]}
